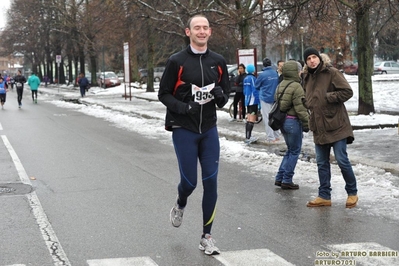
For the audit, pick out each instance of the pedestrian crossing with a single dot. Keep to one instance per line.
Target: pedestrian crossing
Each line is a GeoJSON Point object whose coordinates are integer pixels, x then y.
{"type": "Point", "coordinates": [365, 254]}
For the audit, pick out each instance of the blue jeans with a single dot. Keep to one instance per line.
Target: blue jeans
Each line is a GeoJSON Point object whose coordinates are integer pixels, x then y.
{"type": "Point", "coordinates": [292, 132]}
{"type": "Point", "coordinates": [324, 168]}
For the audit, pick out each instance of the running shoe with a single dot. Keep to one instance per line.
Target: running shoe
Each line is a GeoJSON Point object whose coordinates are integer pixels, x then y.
{"type": "Point", "coordinates": [176, 215]}
{"type": "Point", "coordinates": [207, 244]}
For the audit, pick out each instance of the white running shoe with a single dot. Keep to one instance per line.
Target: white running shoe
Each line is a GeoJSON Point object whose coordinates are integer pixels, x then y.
{"type": "Point", "coordinates": [207, 244]}
{"type": "Point", "coordinates": [176, 215]}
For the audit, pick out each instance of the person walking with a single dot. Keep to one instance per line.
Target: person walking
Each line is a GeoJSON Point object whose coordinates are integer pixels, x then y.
{"type": "Point", "coordinates": [239, 98]}
{"type": "Point", "coordinates": [295, 123]}
{"type": "Point", "coordinates": [34, 83]}
{"type": "Point", "coordinates": [194, 82]}
{"type": "Point", "coordinates": [326, 91]}
{"type": "Point", "coordinates": [251, 103]}
{"type": "Point", "coordinates": [3, 92]}
{"type": "Point", "coordinates": [19, 81]}
{"type": "Point", "coordinates": [267, 83]}
{"type": "Point", "coordinates": [83, 84]}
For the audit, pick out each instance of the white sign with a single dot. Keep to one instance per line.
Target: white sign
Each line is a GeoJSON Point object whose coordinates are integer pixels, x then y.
{"type": "Point", "coordinates": [126, 62]}
{"type": "Point", "coordinates": [58, 58]}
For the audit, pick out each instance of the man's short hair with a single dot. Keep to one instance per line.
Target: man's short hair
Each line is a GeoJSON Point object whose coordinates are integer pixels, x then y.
{"type": "Point", "coordinates": [195, 16]}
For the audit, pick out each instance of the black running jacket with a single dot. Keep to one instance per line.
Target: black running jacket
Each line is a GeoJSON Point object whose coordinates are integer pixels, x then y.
{"type": "Point", "coordinates": [182, 70]}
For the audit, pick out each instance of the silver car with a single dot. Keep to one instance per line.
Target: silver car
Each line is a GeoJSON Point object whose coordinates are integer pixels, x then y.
{"type": "Point", "coordinates": [386, 67]}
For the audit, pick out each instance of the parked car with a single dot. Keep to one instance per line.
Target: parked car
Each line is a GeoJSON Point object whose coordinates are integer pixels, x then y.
{"type": "Point", "coordinates": [158, 72]}
{"type": "Point", "coordinates": [386, 67]}
{"type": "Point", "coordinates": [351, 69]}
{"type": "Point", "coordinates": [121, 76]}
{"type": "Point", "coordinates": [111, 79]}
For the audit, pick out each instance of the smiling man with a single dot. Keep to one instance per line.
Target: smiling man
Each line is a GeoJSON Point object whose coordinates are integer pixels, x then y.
{"type": "Point", "coordinates": [195, 81]}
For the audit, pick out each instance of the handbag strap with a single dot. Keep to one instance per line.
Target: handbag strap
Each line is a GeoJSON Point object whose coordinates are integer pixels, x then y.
{"type": "Point", "coordinates": [281, 95]}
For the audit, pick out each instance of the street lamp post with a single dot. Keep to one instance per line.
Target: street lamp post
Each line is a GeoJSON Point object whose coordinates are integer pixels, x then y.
{"type": "Point", "coordinates": [301, 30]}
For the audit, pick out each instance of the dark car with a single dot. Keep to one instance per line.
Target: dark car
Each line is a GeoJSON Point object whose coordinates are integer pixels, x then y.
{"type": "Point", "coordinates": [158, 72]}
{"type": "Point", "coordinates": [351, 69]}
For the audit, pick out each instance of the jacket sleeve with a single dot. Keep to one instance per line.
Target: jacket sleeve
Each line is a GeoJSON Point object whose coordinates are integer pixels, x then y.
{"type": "Point", "coordinates": [297, 100]}
{"type": "Point", "coordinates": [341, 91]}
{"type": "Point", "coordinates": [167, 86]}
{"type": "Point", "coordinates": [225, 84]}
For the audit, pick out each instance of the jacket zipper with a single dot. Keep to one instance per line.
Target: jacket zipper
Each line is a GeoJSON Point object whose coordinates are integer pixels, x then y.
{"type": "Point", "coordinates": [202, 85]}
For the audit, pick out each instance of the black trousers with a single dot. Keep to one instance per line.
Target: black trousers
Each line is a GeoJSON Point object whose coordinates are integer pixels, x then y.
{"type": "Point", "coordinates": [20, 91]}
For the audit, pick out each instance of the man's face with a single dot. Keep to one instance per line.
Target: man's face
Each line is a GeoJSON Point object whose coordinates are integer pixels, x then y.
{"type": "Point", "coordinates": [199, 32]}
{"type": "Point", "coordinates": [241, 69]}
{"type": "Point", "coordinates": [280, 66]}
{"type": "Point", "coordinates": [312, 61]}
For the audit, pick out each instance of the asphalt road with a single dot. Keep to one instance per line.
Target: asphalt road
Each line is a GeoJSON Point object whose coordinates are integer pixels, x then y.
{"type": "Point", "coordinates": [99, 192]}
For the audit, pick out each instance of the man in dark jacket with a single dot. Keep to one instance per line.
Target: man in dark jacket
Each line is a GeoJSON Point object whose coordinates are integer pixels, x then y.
{"type": "Point", "coordinates": [19, 81]}
{"type": "Point", "coordinates": [194, 82]}
{"type": "Point", "coordinates": [83, 84]}
{"type": "Point", "coordinates": [326, 92]}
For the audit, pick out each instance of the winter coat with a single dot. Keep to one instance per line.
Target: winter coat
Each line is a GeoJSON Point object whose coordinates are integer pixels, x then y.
{"type": "Point", "coordinates": [238, 82]}
{"type": "Point", "coordinates": [266, 83]}
{"type": "Point", "coordinates": [294, 95]}
{"type": "Point", "coordinates": [250, 92]}
{"type": "Point", "coordinates": [326, 90]}
{"type": "Point", "coordinates": [33, 82]}
{"type": "Point", "coordinates": [183, 70]}
{"type": "Point", "coordinates": [83, 82]}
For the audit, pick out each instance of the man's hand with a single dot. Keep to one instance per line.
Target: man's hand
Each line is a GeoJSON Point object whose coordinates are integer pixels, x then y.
{"type": "Point", "coordinates": [218, 95]}
{"type": "Point", "coordinates": [192, 108]}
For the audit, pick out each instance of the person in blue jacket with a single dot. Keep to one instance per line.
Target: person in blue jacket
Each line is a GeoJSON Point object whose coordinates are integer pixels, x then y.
{"type": "Point", "coordinates": [83, 84]}
{"type": "Point", "coordinates": [3, 92]}
{"type": "Point", "coordinates": [34, 83]}
{"type": "Point", "coordinates": [267, 84]}
{"type": "Point", "coordinates": [251, 103]}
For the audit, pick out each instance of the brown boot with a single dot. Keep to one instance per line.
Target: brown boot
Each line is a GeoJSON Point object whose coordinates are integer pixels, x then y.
{"type": "Point", "coordinates": [351, 201]}
{"type": "Point", "coordinates": [318, 202]}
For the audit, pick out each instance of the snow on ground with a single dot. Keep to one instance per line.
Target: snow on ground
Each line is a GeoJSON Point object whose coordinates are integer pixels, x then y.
{"type": "Point", "coordinates": [378, 189]}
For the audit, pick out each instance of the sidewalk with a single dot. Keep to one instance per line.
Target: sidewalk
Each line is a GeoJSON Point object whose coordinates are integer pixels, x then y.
{"type": "Point", "coordinates": [368, 148]}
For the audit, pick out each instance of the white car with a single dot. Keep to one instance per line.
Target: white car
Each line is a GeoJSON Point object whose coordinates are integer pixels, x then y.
{"type": "Point", "coordinates": [386, 67]}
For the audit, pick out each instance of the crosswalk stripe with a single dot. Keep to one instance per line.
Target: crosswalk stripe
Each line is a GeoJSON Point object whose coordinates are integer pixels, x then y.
{"type": "Point", "coordinates": [136, 261]}
{"type": "Point", "coordinates": [253, 257]}
{"type": "Point", "coordinates": [367, 253]}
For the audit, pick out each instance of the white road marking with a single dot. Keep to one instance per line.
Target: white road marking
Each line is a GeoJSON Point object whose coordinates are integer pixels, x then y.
{"type": "Point", "coordinates": [48, 234]}
{"type": "Point", "coordinates": [137, 261]}
{"type": "Point", "coordinates": [251, 257]}
{"type": "Point", "coordinates": [1, 127]}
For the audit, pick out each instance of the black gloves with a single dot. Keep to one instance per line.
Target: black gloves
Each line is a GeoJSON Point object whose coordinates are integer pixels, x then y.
{"type": "Point", "coordinates": [192, 107]}
{"type": "Point", "coordinates": [305, 129]}
{"type": "Point", "coordinates": [218, 95]}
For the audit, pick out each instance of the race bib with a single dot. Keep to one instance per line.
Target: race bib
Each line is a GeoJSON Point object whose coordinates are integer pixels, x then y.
{"type": "Point", "coordinates": [202, 95]}
{"type": "Point", "coordinates": [19, 85]}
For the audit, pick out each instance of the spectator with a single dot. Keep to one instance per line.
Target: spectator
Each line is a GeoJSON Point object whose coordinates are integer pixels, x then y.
{"type": "Point", "coordinates": [326, 92]}
{"type": "Point", "coordinates": [83, 84]}
{"type": "Point", "coordinates": [239, 95]}
{"type": "Point", "coordinates": [296, 122]}
{"type": "Point", "coordinates": [267, 83]}
{"type": "Point", "coordinates": [251, 103]}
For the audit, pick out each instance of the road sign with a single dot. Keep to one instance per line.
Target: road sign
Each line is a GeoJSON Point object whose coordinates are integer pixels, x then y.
{"type": "Point", "coordinates": [58, 58]}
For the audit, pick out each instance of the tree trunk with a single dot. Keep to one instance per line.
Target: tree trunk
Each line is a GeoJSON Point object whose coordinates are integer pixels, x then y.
{"type": "Point", "coordinates": [365, 64]}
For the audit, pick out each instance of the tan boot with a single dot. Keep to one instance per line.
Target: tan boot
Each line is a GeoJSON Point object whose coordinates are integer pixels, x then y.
{"type": "Point", "coordinates": [318, 202]}
{"type": "Point", "coordinates": [351, 201]}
